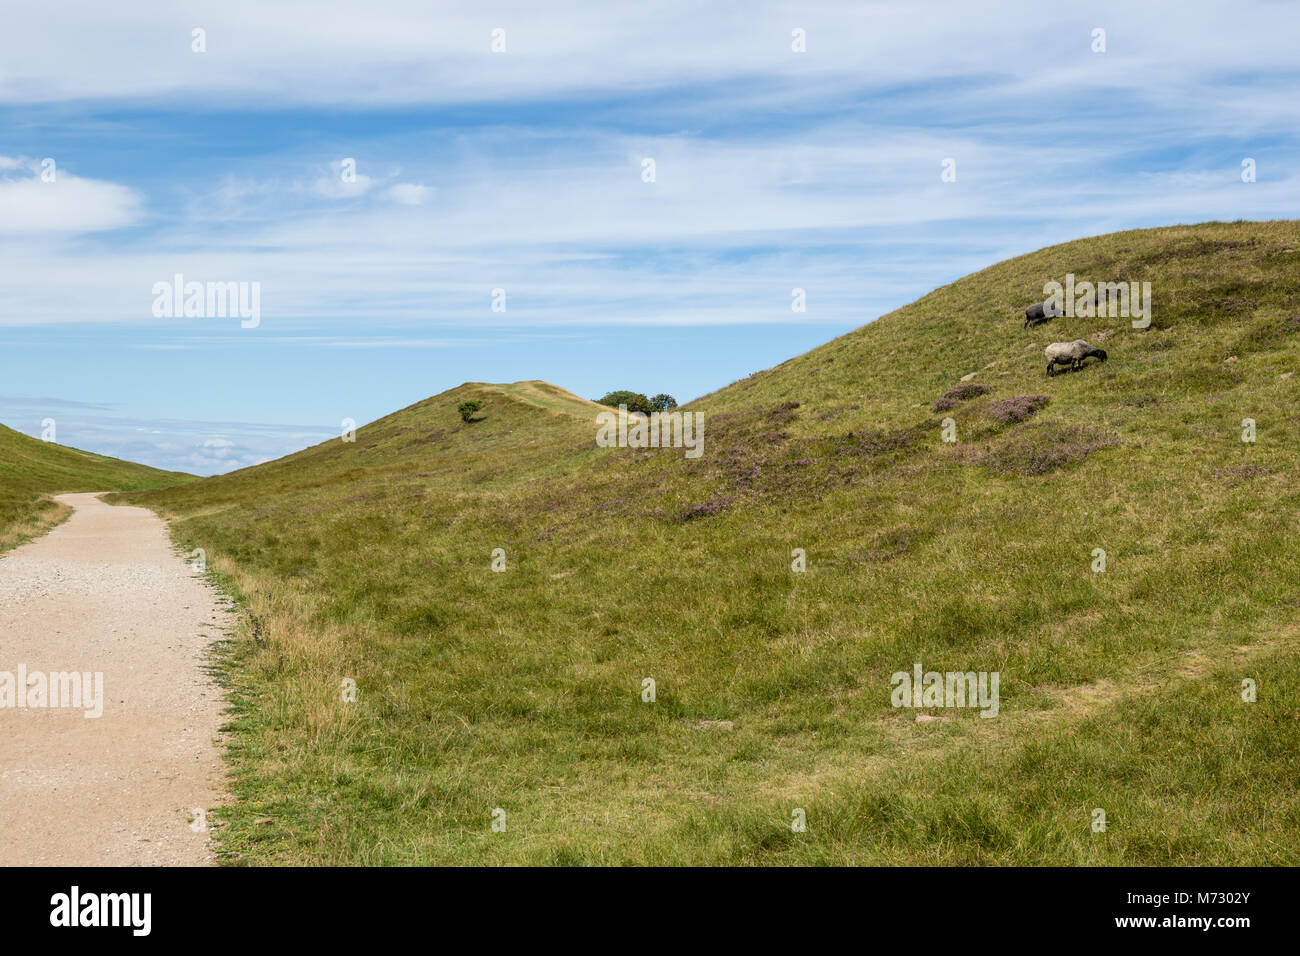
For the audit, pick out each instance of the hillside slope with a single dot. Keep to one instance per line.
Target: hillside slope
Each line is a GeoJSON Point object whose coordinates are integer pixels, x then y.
{"type": "Point", "coordinates": [32, 471]}
{"type": "Point", "coordinates": [525, 690]}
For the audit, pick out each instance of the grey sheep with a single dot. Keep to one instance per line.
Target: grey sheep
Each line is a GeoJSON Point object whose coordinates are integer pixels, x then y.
{"type": "Point", "coordinates": [1040, 312]}
{"type": "Point", "coordinates": [1071, 354]}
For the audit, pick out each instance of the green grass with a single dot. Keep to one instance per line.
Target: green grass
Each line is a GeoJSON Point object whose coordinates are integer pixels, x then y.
{"type": "Point", "coordinates": [522, 690]}
{"type": "Point", "coordinates": [32, 472]}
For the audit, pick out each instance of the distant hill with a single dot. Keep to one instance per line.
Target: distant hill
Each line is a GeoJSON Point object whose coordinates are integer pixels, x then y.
{"type": "Point", "coordinates": [32, 471]}
{"type": "Point", "coordinates": [1113, 550]}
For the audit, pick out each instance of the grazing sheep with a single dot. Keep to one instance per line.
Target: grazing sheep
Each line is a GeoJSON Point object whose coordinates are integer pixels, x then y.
{"type": "Point", "coordinates": [1040, 312]}
{"type": "Point", "coordinates": [1071, 354]}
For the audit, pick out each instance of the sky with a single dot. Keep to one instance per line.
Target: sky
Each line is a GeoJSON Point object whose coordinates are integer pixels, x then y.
{"type": "Point", "coordinates": [424, 194]}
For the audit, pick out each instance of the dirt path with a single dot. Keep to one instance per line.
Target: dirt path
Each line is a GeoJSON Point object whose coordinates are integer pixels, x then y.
{"type": "Point", "coordinates": [105, 592]}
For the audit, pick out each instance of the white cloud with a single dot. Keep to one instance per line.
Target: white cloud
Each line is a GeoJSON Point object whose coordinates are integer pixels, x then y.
{"type": "Point", "coordinates": [63, 204]}
{"type": "Point", "coordinates": [408, 194]}
{"type": "Point", "coordinates": [335, 186]}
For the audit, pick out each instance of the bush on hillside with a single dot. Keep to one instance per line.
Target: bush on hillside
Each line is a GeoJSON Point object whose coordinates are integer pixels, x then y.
{"type": "Point", "coordinates": [637, 402]}
{"type": "Point", "coordinates": [1012, 410]}
{"type": "Point", "coordinates": [467, 410]}
{"type": "Point", "coordinates": [961, 393]}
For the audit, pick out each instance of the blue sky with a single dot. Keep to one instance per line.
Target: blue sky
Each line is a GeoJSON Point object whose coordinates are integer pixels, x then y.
{"type": "Point", "coordinates": [522, 170]}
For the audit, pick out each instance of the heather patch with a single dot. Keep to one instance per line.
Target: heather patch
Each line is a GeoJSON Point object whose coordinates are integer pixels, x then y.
{"type": "Point", "coordinates": [872, 442]}
{"type": "Point", "coordinates": [714, 506]}
{"type": "Point", "coordinates": [783, 413]}
{"type": "Point", "coordinates": [1008, 411]}
{"type": "Point", "coordinates": [962, 393]}
{"type": "Point", "coordinates": [1042, 447]}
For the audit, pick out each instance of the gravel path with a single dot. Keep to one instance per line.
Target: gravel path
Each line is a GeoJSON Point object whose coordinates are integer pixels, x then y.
{"type": "Point", "coordinates": [105, 592]}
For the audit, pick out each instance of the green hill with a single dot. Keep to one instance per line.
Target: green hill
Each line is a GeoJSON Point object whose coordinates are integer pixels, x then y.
{"type": "Point", "coordinates": [33, 471]}
{"type": "Point", "coordinates": [1120, 690]}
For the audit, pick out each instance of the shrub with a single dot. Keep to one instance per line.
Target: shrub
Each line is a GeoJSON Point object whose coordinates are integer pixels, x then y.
{"type": "Point", "coordinates": [635, 401]}
{"type": "Point", "coordinates": [968, 390]}
{"type": "Point", "coordinates": [872, 442]}
{"type": "Point", "coordinates": [1039, 448]}
{"type": "Point", "coordinates": [467, 410]}
{"type": "Point", "coordinates": [961, 393]}
{"type": "Point", "coordinates": [784, 413]}
{"type": "Point", "coordinates": [713, 506]}
{"type": "Point", "coordinates": [1012, 410]}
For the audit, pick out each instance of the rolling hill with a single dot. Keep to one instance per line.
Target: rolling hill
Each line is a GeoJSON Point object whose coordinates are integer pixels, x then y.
{"type": "Point", "coordinates": [32, 471]}
{"type": "Point", "coordinates": [524, 690]}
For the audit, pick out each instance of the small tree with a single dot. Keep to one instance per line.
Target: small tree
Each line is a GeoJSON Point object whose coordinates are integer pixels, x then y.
{"type": "Point", "coordinates": [467, 410]}
{"type": "Point", "coordinates": [635, 401]}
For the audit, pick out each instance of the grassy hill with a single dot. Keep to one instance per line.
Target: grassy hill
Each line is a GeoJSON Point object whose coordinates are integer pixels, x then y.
{"type": "Point", "coordinates": [32, 471]}
{"type": "Point", "coordinates": [1120, 690]}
